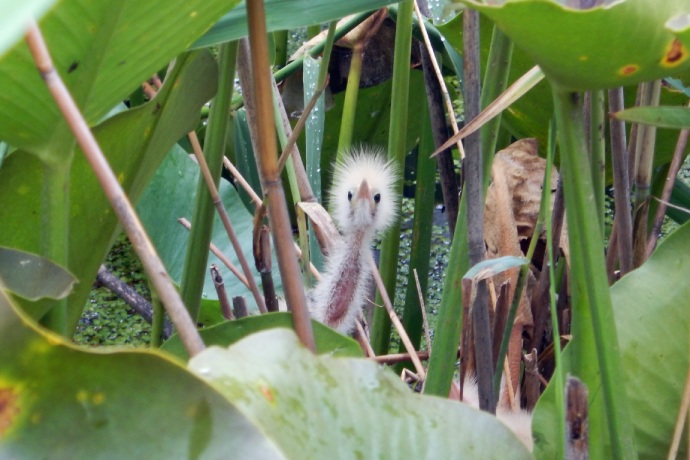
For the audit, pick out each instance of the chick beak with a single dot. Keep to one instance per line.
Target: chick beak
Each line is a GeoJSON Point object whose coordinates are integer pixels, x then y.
{"type": "Point", "coordinates": [364, 194]}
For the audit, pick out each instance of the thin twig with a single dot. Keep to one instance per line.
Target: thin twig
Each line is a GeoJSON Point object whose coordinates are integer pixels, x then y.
{"type": "Point", "coordinates": [364, 341]}
{"type": "Point", "coordinates": [215, 250]}
{"type": "Point", "coordinates": [439, 76]}
{"type": "Point", "coordinates": [394, 318]}
{"type": "Point", "coordinates": [116, 196]}
{"type": "Point", "coordinates": [219, 284]}
{"type": "Point", "coordinates": [218, 203]}
{"type": "Point", "coordinates": [256, 199]}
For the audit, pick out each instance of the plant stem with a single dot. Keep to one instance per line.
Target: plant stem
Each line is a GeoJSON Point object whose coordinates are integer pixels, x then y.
{"type": "Point", "coordinates": [588, 274]}
{"type": "Point", "coordinates": [270, 175]}
{"type": "Point", "coordinates": [397, 141]}
{"type": "Point", "coordinates": [597, 150]}
{"type": "Point", "coordinates": [196, 258]}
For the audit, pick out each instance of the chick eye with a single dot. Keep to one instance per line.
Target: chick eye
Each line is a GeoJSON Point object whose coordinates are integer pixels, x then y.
{"type": "Point", "coordinates": [349, 196]}
{"type": "Point", "coordinates": [377, 198]}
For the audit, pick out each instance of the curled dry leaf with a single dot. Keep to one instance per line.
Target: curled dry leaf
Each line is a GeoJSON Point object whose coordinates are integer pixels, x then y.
{"type": "Point", "coordinates": [511, 213]}
{"type": "Point", "coordinates": [323, 225]}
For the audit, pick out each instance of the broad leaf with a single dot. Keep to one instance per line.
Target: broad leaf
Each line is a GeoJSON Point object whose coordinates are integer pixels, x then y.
{"type": "Point", "coordinates": [346, 407]}
{"type": "Point", "coordinates": [650, 308]}
{"type": "Point", "coordinates": [102, 50]}
{"type": "Point", "coordinates": [595, 48]}
{"type": "Point", "coordinates": [60, 401]}
{"type": "Point", "coordinates": [229, 332]}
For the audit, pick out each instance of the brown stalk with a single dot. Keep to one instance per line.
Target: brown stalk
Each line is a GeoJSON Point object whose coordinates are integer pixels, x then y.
{"type": "Point", "coordinates": [219, 284]}
{"type": "Point", "coordinates": [270, 175]}
{"type": "Point", "coordinates": [680, 420]}
{"type": "Point", "coordinates": [621, 184]}
{"type": "Point", "coordinates": [425, 321]}
{"type": "Point", "coordinates": [116, 196]}
{"type": "Point", "coordinates": [218, 203]}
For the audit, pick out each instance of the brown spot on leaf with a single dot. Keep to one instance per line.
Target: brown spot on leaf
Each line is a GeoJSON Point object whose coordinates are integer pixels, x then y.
{"type": "Point", "coordinates": [267, 393]}
{"type": "Point", "coordinates": [675, 54]}
{"type": "Point", "coordinates": [629, 69]}
{"type": "Point", "coordinates": [9, 409]}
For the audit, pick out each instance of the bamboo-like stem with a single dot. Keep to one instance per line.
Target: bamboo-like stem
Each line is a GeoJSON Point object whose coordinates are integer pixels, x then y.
{"type": "Point", "coordinates": [590, 286]}
{"type": "Point", "coordinates": [116, 196]}
{"type": "Point", "coordinates": [270, 175]}
{"type": "Point", "coordinates": [673, 169]}
{"type": "Point", "coordinates": [397, 140]}
{"type": "Point", "coordinates": [196, 257]}
{"type": "Point", "coordinates": [347, 120]}
{"type": "Point", "coordinates": [621, 183]}
{"type": "Point", "coordinates": [218, 203]}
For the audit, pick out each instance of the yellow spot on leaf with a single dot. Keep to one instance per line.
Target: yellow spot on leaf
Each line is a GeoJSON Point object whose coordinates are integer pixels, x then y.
{"type": "Point", "coordinates": [584, 58]}
{"type": "Point", "coordinates": [98, 398]}
{"type": "Point", "coordinates": [675, 54]}
{"type": "Point", "coordinates": [9, 408]}
{"type": "Point", "coordinates": [629, 69]}
{"type": "Point", "coordinates": [121, 178]}
{"type": "Point", "coordinates": [193, 14]}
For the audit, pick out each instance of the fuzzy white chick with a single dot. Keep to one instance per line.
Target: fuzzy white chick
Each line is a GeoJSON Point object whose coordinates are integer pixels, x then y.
{"type": "Point", "coordinates": [364, 202]}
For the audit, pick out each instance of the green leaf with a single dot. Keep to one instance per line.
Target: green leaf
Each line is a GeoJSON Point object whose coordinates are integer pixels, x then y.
{"type": "Point", "coordinates": [663, 117]}
{"type": "Point", "coordinates": [595, 48]}
{"type": "Point", "coordinates": [103, 51]}
{"type": "Point", "coordinates": [151, 130]}
{"type": "Point", "coordinates": [346, 407]}
{"type": "Point", "coordinates": [171, 196]}
{"type": "Point", "coordinates": [650, 311]}
{"type": "Point", "coordinates": [285, 15]}
{"type": "Point", "coordinates": [61, 401]}
{"type": "Point", "coordinates": [15, 18]}
{"type": "Point", "coordinates": [327, 340]}
{"type": "Point", "coordinates": [33, 277]}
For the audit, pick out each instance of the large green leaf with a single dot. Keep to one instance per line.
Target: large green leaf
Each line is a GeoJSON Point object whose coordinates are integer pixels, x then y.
{"type": "Point", "coordinates": [169, 197]}
{"type": "Point", "coordinates": [60, 401]}
{"type": "Point", "coordinates": [134, 142]}
{"type": "Point", "coordinates": [224, 334]}
{"type": "Point", "coordinates": [346, 407]}
{"type": "Point", "coordinates": [653, 326]}
{"type": "Point", "coordinates": [102, 50]}
{"type": "Point", "coordinates": [15, 16]}
{"type": "Point", "coordinates": [285, 15]}
{"type": "Point", "coordinates": [598, 47]}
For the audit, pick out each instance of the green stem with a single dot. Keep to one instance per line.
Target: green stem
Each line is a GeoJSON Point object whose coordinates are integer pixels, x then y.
{"type": "Point", "coordinates": [347, 122]}
{"type": "Point", "coordinates": [280, 37]}
{"type": "Point", "coordinates": [495, 82]}
{"type": "Point", "coordinates": [588, 273]}
{"type": "Point", "coordinates": [158, 320]}
{"type": "Point", "coordinates": [194, 271]}
{"type": "Point", "coordinates": [397, 140]}
{"type": "Point", "coordinates": [421, 236]}
{"type": "Point", "coordinates": [55, 230]}
{"type": "Point", "coordinates": [597, 149]}
{"type": "Point", "coordinates": [559, 373]}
